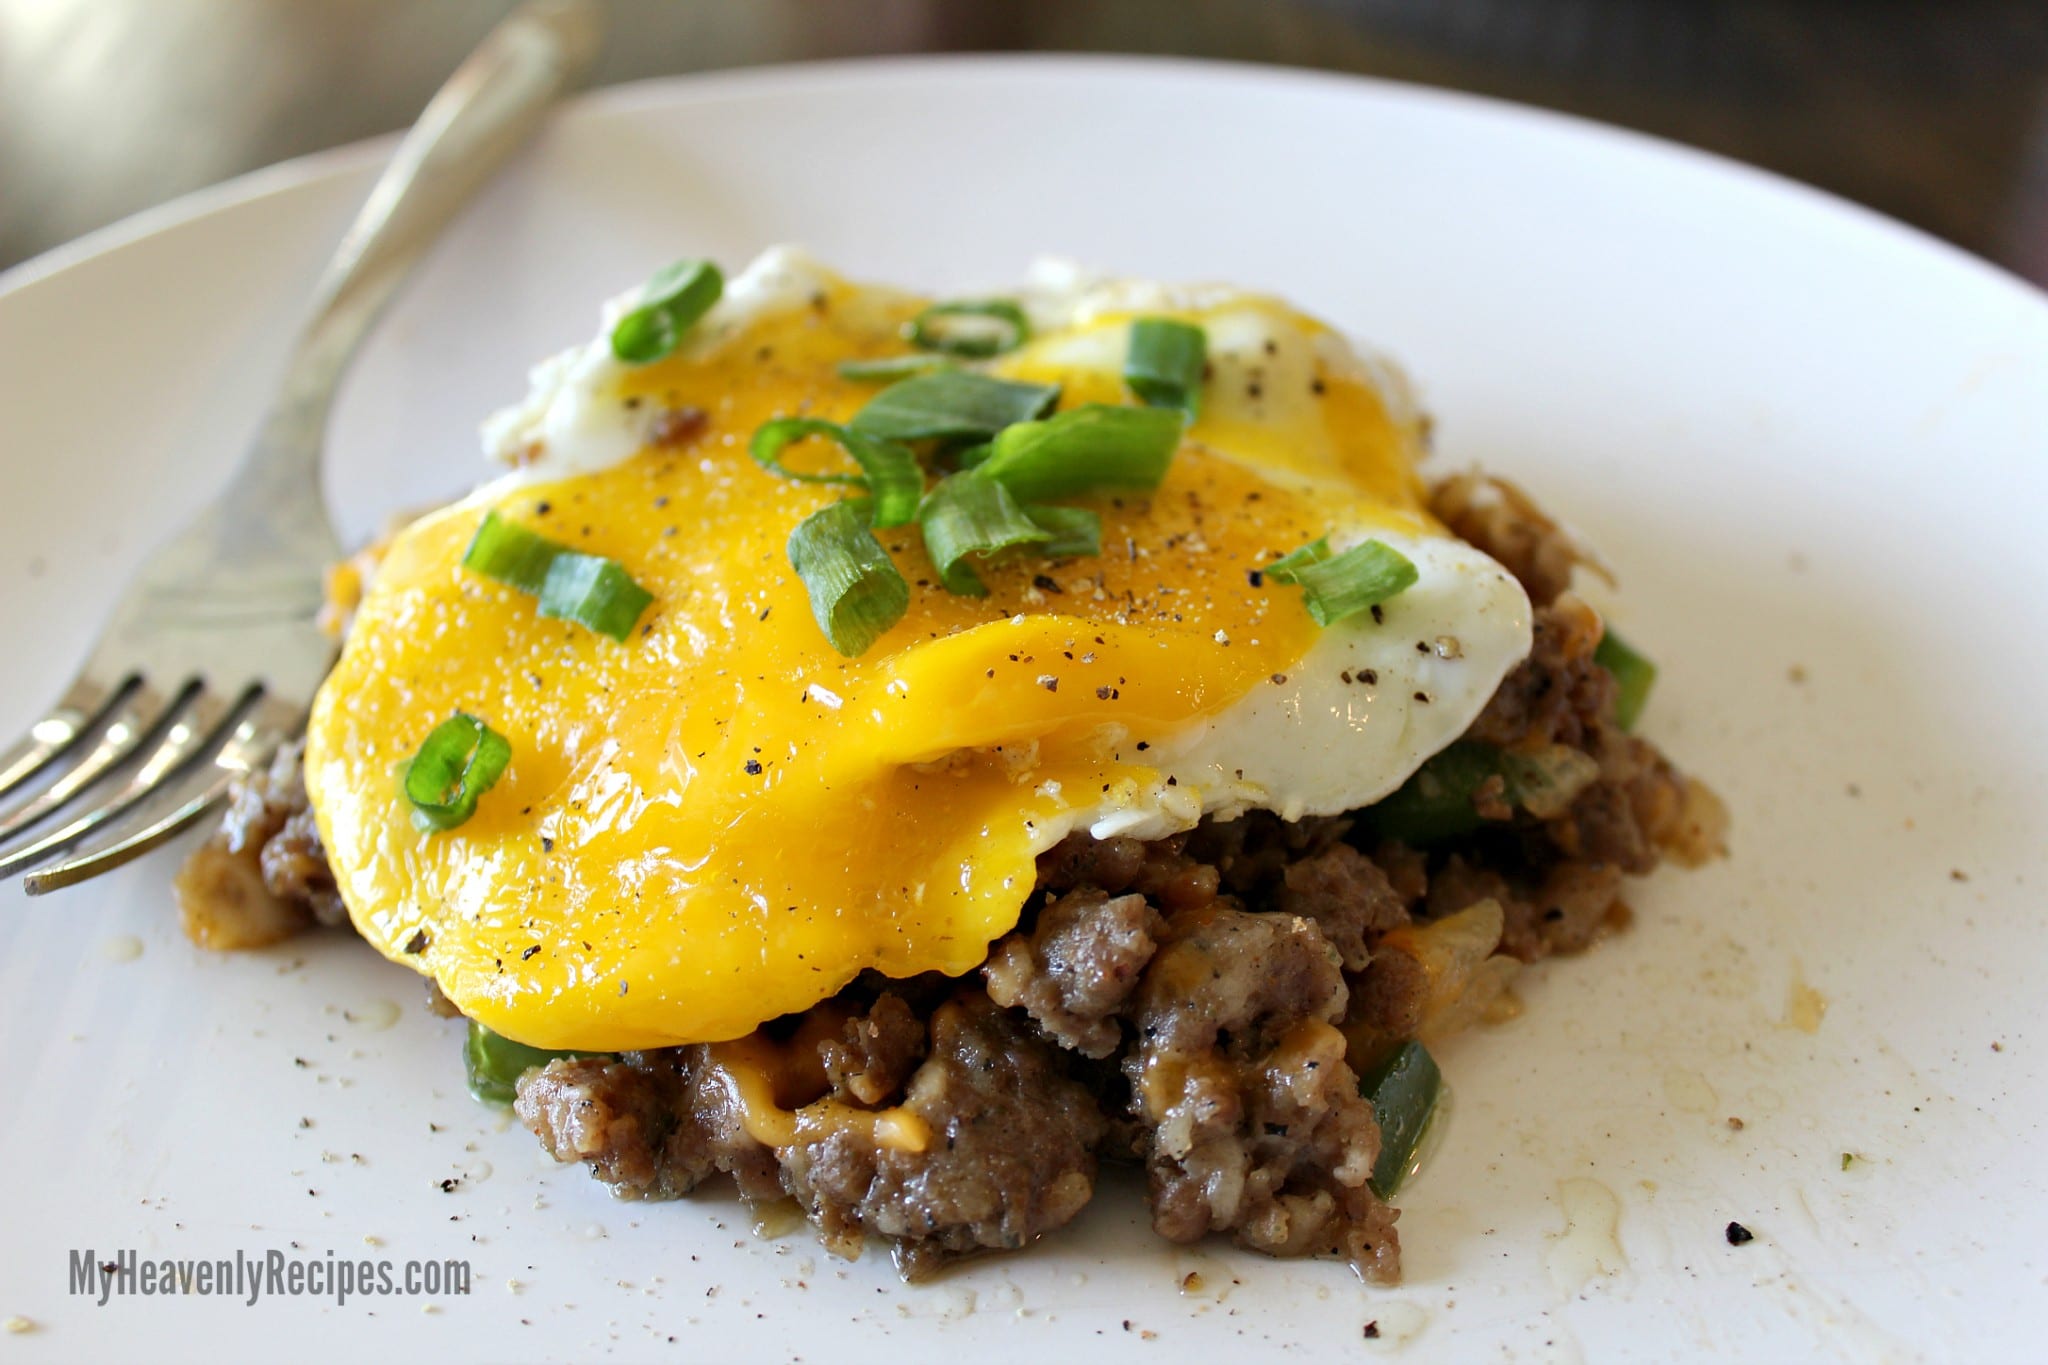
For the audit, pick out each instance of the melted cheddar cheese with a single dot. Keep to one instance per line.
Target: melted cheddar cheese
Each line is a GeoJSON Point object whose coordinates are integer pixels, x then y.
{"type": "Point", "coordinates": [720, 820]}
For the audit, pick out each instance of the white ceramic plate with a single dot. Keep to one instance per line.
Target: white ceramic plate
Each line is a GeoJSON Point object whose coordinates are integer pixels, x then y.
{"type": "Point", "coordinates": [1811, 441]}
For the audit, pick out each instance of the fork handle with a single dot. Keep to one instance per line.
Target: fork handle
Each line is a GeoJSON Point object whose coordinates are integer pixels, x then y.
{"type": "Point", "coordinates": [478, 118]}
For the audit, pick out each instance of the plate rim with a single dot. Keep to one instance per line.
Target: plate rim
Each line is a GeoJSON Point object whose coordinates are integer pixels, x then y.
{"type": "Point", "coordinates": [283, 177]}
{"type": "Point", "coordinates": [1883, 254]}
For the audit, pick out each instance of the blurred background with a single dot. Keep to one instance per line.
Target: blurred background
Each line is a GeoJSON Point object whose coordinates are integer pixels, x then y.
{"type": "Point", "coordinates": [1936, 113]}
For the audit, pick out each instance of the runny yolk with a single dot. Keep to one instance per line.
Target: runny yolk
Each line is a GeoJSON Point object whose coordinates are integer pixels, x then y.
{"type": "Point", "coordinates": [720, 820]}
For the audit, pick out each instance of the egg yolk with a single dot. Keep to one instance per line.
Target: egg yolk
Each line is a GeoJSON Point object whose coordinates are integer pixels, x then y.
{"type": "Point", "coordinates": [720, 820]}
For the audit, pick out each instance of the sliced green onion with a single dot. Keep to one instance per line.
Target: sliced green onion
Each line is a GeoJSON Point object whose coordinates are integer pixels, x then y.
{"type": "Point", "coordinates": [460, 761]}
{"type": "Point", "coordinates": [1089, 449]}
{"type": "Point", "coordinates": [889, 471]}
{"type": "Point", "coordinates": [669, 306]}
{"type": "Point", "coordinates": [1288, 567]}
{"type": "Point", "coordinates": [1633, 676]}
{"type": "Point", "coordinates": [892, 367]}
{"type": "Point", "coordinates": [1437, 802]}
{"type": "Point", "coordinates": [1403, 1091]}
{"type": "Point", "coordinates": [1070, 531]}
{"type": "Point", "coordinates": [856, 591]}
{"type": "Point", "coordinates": [511, 554]}
{"type": "Point", "coordinates": [951, 405]}
{"type": "Point", "coordinates": [1440, 800]}
{"type": "Point", "coordinates": [994, 326]}
{"type": "Point", "coordinates": [495, 1063]}
{"type": "Point", "coordinates": [595, 593]}
{"type": "Point", "coordinates": [590, 590]}
{"type": "Point", "coordinates": [1165, 362]}
{"type": "Point", "coordinates": [968, 514]}
{"type": "Point", "coordinates": [1334, 586]}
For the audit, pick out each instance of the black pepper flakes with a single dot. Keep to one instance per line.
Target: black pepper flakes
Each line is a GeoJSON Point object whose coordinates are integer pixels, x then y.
{"type": "Point", "coordinates": [417, 944]}
{"type": "Point", "coordinates": [1739, 1235]}
{"type": "Point", "coordinates": [753, 767]}
{"type": "Point", "coordinates": [530, 951]}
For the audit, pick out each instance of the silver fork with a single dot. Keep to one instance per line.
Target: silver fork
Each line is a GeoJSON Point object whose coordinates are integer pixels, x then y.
{"type": "Point", "coordinates": [210, 660]}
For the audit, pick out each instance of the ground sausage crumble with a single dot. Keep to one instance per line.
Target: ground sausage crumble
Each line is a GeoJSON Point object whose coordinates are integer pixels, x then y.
{"type": "Point", "coordinates": [1199, 1005]}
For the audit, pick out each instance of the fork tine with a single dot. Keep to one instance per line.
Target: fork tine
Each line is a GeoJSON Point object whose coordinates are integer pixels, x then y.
{"type": "Point", "coordinates": [203, 800]}
{"type": "Point", "coordinates": [126, 726]}
{"type": "Point", "coordinates": [198, 726]}
{"type": "Point", "coordinates": [52, 736]}
{"type": "Point", "coordinates": [166, 811]}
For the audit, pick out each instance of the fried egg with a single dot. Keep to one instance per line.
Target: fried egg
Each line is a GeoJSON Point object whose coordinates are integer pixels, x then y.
{"type": "Point", "coordinates": [720, 820]}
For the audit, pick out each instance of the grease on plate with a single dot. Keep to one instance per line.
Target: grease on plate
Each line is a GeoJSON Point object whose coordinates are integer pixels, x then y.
{"type": "Point", "coordinates": [1395, 1324]}
{"type": "Point", "coordinates": [1689, 1091]}
{"type": "Point", "coordinates": [1590, 1244]}
{"type": "Point", "coordinates": [376, 1016]}
{"type": "Point", "coordinates": [1805, 1007]}
{"type": "Point", "coordinates": [121, 948]}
